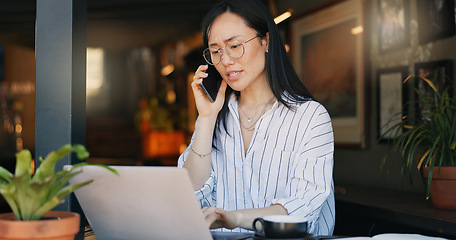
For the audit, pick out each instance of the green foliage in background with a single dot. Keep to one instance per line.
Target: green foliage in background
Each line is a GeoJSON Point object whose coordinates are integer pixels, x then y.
{"type": "Point", "coordinates": [160, 114]}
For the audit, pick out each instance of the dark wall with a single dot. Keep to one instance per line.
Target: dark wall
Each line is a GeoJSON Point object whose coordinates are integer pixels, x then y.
{"type": "Point", "coordinates": [362, 166]}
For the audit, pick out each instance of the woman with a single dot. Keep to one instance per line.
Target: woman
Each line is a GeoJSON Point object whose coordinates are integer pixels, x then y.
{"type": "Point", "coordinates": [264, 147]}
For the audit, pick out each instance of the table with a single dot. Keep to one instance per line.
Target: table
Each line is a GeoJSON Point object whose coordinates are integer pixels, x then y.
{"type": "Point", "coordinates": [87, 234]}
{"type": "Point", "coordinates": [404, 209]}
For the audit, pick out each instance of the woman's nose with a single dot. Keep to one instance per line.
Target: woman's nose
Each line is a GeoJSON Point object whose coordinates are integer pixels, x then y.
{"type": "Point", "coordinates": [226, 59]}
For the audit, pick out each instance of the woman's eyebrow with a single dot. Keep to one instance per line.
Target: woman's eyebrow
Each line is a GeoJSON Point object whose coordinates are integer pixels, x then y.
{"type": "Point", "coordinates": [225, 41]}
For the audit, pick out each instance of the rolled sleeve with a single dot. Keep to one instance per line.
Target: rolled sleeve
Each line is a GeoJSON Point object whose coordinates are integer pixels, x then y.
{"type": "Point", "coordinates": [204, 195]}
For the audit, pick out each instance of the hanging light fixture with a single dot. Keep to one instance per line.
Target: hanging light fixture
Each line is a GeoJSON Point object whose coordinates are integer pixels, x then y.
{"type": "Point", "coordinates": [357, 30]}
{"type": "Point", "coordinates": [282, 17]}
{"type": "Point", "coordinates": [168, 69]}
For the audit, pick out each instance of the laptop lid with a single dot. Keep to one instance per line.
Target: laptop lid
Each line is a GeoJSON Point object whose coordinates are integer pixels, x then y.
{"type": "Point", "coordinates": [141, 203]}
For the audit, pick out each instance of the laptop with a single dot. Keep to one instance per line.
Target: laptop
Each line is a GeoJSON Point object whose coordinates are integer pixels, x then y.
{"type": "Point", "coordinates": [141, 203]}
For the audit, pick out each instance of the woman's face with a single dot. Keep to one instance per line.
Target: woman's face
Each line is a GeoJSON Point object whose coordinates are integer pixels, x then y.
{"type": "Point", "coordinates": [248, 70]}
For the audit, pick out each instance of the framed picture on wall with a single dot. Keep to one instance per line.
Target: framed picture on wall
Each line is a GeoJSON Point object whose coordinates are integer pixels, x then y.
{"type": "Point", "coordinates": [2, 63]}
{"type": "Point", "coordinates": [394, 33]}
{"type": "Point", "coordinates": [392, 94]}
{"type": "Point", "coordinates": [435, 20]}
{"type": "Point", "coordinates": [327, 53]}
{"type": "Point", "coordinates": [440, 72]}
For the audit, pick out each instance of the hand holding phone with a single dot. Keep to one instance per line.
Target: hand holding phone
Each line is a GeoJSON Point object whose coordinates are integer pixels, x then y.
{"type": "Point", "coordinates": [211, 83]}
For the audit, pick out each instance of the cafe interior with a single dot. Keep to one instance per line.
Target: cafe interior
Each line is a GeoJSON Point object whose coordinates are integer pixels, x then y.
{"type": "Point", "coordinates": [138, 109]}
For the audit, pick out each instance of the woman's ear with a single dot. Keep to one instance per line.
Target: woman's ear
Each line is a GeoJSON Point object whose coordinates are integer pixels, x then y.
{"type": "Point", "coordinates": [266, 42]}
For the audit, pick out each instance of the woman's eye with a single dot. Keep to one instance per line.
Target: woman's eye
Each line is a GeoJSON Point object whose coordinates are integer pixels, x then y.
{"type": "Point", "coordinates": [234, 46]}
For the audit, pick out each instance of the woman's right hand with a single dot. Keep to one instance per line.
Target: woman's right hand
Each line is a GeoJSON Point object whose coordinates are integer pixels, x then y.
{"type": "Point", "coordinates": [205, 107]}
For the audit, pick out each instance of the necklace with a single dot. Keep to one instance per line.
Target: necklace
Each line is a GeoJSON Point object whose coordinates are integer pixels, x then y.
{"type": "Point", "coordinates": [250, 119]}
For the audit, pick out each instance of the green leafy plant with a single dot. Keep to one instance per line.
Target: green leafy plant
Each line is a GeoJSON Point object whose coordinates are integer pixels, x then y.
{"type": "Point", "coordinates": [29, 195]}
{"type": "Point", "coordinates": [429, 139]}
{"type": "Point", "coordinates": [160, 114]}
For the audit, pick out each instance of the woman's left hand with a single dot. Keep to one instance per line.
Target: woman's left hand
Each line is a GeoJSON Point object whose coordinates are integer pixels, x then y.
{"type": "Point", "coordinates": [218, 218]}
{"type": "Point", "coordinates": [243, 218]}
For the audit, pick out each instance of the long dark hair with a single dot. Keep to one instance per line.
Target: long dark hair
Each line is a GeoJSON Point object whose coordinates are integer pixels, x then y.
{"type": "Point", "coordinates": [281, 76]}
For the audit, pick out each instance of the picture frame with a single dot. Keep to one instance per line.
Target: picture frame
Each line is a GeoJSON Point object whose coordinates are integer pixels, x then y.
{"type": "Point", "coordinates": [392, 94]}
{"type": "Point", "coordinates": [327, 53]}
{"type": "Point", "coordinates": [440, 72]}
{"type": "Point", "coordinates": [394, 31]}
{"type": "Point", "coordinates": [2, 63]}
{"type": "Point", "coordinates": [435, 20]}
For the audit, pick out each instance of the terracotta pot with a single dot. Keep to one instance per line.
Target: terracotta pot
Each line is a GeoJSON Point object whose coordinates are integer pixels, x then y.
{"type": "Point", "coordinates": [443, 187]}
{"type": "Point", "coordinates": [59, 226]}
{"type": "Point", "coordinates": [162, 143]}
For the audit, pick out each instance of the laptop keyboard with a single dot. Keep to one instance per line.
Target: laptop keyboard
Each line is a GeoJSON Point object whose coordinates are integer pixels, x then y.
{"type": "Point", "coordinates": [230, 235]}
{"type": "Point", "coordinates": [85, 233]}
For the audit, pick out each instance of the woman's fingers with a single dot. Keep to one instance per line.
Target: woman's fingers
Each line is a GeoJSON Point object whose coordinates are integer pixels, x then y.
{"type": "Point", "coordinates": [200, 74]}
{"type": "Point", "coordinates": [217, 218]}
{"type": "Point", "coordinates": [198, 79]}
{"type": "Point", "coordinates": [210, 215]}
{"type": "Point", "coordinates": [208, 210]}
{"type": "Point", "coordinates": [227, 218]}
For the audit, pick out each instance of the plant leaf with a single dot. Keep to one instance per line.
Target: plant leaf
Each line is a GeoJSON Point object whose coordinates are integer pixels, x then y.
{"type": "Point", "coordinates": [6, 175]}
{"type": "Point", "coordinates": [47, 167]}
{"type": "Point", "coordinates": [75, 166]}
{"type": "Point", "coordinates": [48, 206]}
{"type": "Point", "coordinates": [429, 82]}
{"type": "Point", "coordinates": [8, 193]}
{"type": "Point", "coordinates": [422, 158]}
{"type": "Point", "coordinates": [81, 151]}
{"type": "Point", "coordinates": [71, 188]}
{"type": "Point", "coordinates": [23, 161]}
{"type": "Point", "coordinates": [61, 179]}
{"type": "Point", "coordinates": [21, 190]}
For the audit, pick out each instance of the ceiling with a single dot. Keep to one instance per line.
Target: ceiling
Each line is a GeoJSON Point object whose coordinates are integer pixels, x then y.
{"type": "Point", "coordinates": [143, 22]}
{"type": "Point", "coordinates": [114, 23]}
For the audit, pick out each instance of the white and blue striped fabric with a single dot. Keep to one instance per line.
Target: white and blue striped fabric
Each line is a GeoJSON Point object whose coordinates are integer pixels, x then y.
{"type": "Point", "coordinates": [289, 162]}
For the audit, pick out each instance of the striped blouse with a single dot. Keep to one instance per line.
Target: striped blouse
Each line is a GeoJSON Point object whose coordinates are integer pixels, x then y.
{"type": "Point", "coordinates": [289, 162]}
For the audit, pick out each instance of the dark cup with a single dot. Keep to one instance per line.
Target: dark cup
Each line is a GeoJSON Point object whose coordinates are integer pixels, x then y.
{"type": "Point", "coordinates": [280, 226]}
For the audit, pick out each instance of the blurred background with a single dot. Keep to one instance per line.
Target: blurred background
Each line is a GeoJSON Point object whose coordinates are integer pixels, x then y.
{"type": "Point", "coordinates": [141, 56]}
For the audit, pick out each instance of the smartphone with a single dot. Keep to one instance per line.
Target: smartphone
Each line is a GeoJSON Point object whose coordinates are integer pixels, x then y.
{"type": "Point", "coordinates": [211, 83]}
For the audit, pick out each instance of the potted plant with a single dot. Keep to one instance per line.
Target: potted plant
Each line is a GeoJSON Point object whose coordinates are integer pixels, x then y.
{"type": "Point", "coordinates": [428, 142]}
{"type": "Point", "coordinates": [31, 197]}
{"type": "Point", "coordinates": [161, 122]}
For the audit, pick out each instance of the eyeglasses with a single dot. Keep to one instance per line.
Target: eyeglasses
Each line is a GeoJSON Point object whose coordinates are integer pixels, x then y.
{"type": "Point", "coordinates": [233, 48]}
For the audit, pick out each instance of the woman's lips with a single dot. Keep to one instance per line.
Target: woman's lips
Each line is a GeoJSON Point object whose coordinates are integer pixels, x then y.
{"type": "Point", "coordinates": [233, 75]}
